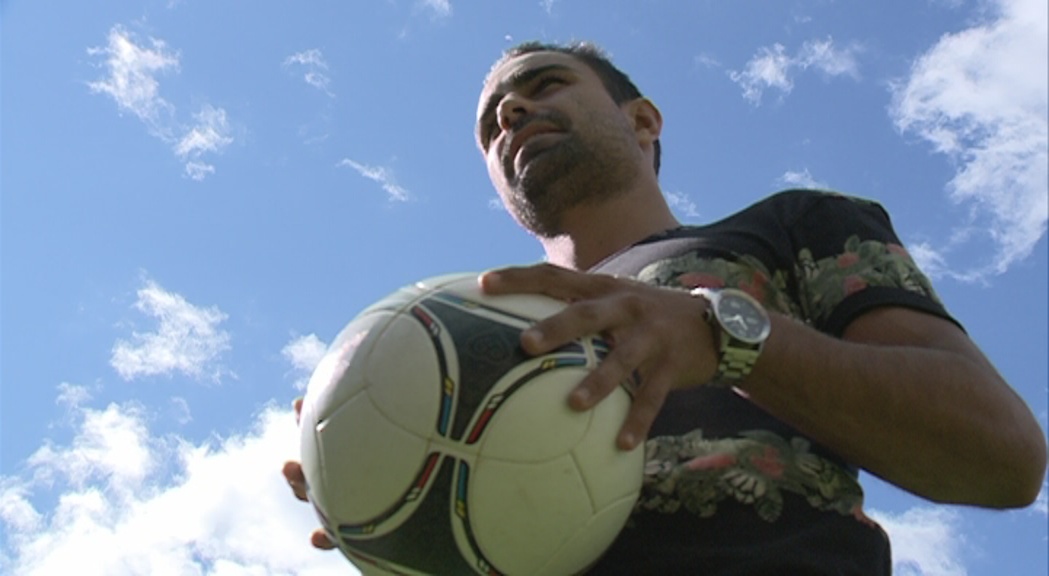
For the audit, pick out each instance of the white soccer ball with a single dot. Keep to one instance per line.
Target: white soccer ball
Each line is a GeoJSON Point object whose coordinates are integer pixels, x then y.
{"type": "Point", "coordinates": [432, 444]}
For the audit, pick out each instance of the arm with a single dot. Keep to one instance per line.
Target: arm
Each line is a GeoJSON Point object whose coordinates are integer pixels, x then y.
{"type": "Point", "coordinates": [904, 394]}
{"type": "Point", "coordinates": [910, 398]}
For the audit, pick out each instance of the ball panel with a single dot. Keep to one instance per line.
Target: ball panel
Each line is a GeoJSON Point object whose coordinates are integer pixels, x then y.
{"type": "Point", "coordinates": [406, 376]}
{"type": "Point", "coordinates": [590, 541]}
{"type": "Point", "coordinates": [394, 302]}
{"type": "Point", "coordinates": [424, 543]}
{"type": "Point", "coordinates": [533, 423]}
{"type": "Point", "coordinates": [338, 376]}
{"type": "Point", "coordinates": [531, 306]}
{"type": "Point", "coordinates": [523, 513]}
{"type": "Point", "coordinates": [365, 480]}
{"type": "Point", "coordinates": [478, 349]}
{"type": "Point", "coordinates": [609, 473]}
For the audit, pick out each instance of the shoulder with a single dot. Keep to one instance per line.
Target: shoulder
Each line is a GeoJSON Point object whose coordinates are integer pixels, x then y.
{"type": "Point", "coordinates": [794, 204]}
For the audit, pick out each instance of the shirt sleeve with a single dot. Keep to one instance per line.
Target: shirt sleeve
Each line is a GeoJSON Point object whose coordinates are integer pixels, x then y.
{"type": "Point", "coordinates": [849, 260]}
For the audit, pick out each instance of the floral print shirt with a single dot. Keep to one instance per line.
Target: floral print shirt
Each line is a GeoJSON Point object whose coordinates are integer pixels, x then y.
{"type": "Point", "coordinates": [729, 489]}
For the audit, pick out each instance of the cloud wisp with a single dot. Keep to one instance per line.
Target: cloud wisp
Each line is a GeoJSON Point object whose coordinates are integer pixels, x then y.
{"type": "Point", "coordinates": [131, 77]}
{"type": "Point", "coordinates": [681, 203]}
{"type": "Point", "coordinates": [925, 541]}
{"type": "Point", "coordinates": [187, 339]}
{"type": "Point", "coordinates": [131, 80]}
{"type": "Point", "coordinates": [303, 353]}
{"type": "Point", "coordinates": [802, 179]}
{"type": "Point", "coordinates": [976, 98]}
{"type": "Point", "coordinates": [439, 8]}
{"type": "Point", "coordinates": [209, 134]}
{"type": "Point", "coordinates": [314, 67]}
{"type": "Point", "coordinates": [381, 175]}
{"type": "Point", "coordinates": [773, 68]}
{"type": "Point", "coordinates": [137, 503]}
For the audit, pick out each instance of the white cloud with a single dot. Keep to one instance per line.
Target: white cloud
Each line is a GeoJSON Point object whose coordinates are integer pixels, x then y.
{"type": "Point", "coordinates": [198, 170]}
{"type": "Point", "coordinates": [548, 6]}
{"type": "Point", "coordinates": [383, 176]}
{"type": "Point", "coordinates": [925, 541]}
{"type": "Point", "coordinates": [132, 70]}
{"type": "Point", "coordinates": [768, 69]}
{"type": "Point", "coordinates": [313, 62]}
{"type": "Point", "coordinates": [131, 76]}
{"type": "Point", "coordinates": [973, 96]}
{"type": "Point", "coordinates": [706, 61]}
{"type": "Point", "coordinates": [823, 56]}
{"type": "Point", "coordinates": [72, 395]}
{"type": "Point", "coordinates": [681, 203]}
{"type": "Point", "coordinates": [928, 259]}
{"type": "Point", "coordinates": [187, 338]}
{"type": "Point", "coordinates": [801, 179]}
{"type": "Point", "coordinates": [15, 510]}
{"type": "Point", "coordinates": [110, 447]}
{"type": "Point", "coordinates": [180, 411]}
{"type": "Point", "coordinates": [1041, 504]}
{"type": "Point", "coordinates": [774, 68]}
{"type": "Point", "coordinates": [225, 510]}
{"type": "Point", "coordinates": [210, 133]}
{"type": "Point", "coordinates": [304, 352]}
{"type": "Point", "coordinates": [441, 8]}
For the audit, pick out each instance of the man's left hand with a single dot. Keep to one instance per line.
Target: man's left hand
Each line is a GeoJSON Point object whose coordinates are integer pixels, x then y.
{"type": "Point", "coordinates": [658, 336]}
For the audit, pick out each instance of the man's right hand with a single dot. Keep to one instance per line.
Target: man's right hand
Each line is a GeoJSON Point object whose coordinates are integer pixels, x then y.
{"type": "Point", "coordinates": [297, 480]}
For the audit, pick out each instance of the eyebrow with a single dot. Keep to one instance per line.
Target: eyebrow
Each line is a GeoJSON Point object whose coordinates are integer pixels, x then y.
{"type": "Point", "coordinates": [515, 81]}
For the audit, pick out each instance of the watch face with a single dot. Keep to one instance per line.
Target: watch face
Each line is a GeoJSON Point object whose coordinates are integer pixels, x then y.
{"type": "Point", "coordinates": [742, 316]}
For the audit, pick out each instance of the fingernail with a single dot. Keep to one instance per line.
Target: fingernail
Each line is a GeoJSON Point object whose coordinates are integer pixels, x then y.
{"type": "Point", "coordinates": [533, 337]}
{"type": "Point", "coordinates": [627, 441]}
{"type": "Point", "coordinates": [580, 397]}
{"type": "Point", "coordinates": [489, 279]}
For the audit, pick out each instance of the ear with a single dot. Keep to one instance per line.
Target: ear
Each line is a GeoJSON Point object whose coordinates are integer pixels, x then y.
{"type": "Point", "coordinates": [647, 121]}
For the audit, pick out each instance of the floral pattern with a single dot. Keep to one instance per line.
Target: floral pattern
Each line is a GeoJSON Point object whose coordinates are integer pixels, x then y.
{"type": "Point", "coordinates": [749, 274]}
{"type": "Point", "coordinates": [828, 281]}
{"type": "Point", "coordinates": [696, 474]}
{"type": "Point", "coordinates": [759, 467]}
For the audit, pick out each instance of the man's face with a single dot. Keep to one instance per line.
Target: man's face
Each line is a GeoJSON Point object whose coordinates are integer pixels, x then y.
{"type": "Point", "coordinates": [552, 137]}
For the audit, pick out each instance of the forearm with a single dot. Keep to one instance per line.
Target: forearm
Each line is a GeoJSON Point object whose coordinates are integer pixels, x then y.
{"type": "Point", "coordinates": [934, 421]}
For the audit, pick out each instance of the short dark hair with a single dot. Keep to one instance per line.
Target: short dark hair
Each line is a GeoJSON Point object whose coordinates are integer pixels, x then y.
{"type": "Point", "coordinates": [619, 86]}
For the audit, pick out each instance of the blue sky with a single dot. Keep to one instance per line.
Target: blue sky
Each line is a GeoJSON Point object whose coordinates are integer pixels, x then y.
{"type": "Point", "coordinates": [197, 196]}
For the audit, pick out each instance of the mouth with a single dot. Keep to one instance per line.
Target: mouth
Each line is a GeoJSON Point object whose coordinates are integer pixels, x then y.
{"type": "Point", "coordinates": [528, 142]}
{"type": "Point", "coordinates": [534, 147]}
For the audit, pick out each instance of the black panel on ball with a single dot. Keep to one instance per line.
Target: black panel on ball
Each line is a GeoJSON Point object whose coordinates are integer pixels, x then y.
{"type": "Point", "coordinates": [425, 541]}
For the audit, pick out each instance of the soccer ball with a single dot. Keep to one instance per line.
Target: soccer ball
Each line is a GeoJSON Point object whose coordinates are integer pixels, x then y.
{"type": "Point", "coordinates": [432, 444]}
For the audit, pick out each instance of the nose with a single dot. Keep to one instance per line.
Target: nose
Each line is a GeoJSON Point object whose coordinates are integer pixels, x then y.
{"type": "Point", "coordinates": [511, 109]}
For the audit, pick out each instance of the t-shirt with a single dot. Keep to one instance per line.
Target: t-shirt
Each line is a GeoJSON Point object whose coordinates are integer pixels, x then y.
{"type": "Point", "coordinates": [728, 489]}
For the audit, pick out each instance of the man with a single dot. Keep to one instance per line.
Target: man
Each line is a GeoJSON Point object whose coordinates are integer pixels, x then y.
{"type": "Point", "coordinates": [774, 353]}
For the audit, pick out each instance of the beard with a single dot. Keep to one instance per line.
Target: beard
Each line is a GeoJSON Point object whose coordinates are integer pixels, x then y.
{"type": "Point", "coordinates": [572, 172]}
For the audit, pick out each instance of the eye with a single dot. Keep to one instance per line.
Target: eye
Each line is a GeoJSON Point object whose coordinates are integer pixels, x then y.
{"type": "Point", "coordinates": [488, 130]}
{"type": "Point", "coordinates": [547, 81]}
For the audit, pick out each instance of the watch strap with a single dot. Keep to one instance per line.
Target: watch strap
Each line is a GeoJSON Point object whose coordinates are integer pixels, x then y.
{"type": "Point", "coordinates": [736, 358]}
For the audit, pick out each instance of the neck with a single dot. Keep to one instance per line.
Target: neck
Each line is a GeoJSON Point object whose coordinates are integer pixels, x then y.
{"type": "Point", "coordinates": [595, 232]}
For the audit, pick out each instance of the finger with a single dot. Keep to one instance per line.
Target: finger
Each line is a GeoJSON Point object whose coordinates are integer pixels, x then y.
{"type": "Point", "coordinates": [297, 405]}
{"type": "Point", "coordinates": [648, 400]}
{"type": "Point", "coordinates": [546, 279]}
{"type": "Point", "coordinates": [319, 539]}
{"type": "Point", "coordinates": [583, 318]}
{"type": "Point", "coordinates": [296, 479]}
{"type": "Point", "coordinates": [618, 367]}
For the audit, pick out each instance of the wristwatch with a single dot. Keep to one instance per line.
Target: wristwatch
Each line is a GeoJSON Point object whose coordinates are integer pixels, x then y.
{"type": "Point", "coordinates": [741, 326]}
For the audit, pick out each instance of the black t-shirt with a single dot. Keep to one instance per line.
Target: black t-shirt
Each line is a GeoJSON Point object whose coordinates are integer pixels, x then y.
{"type": "Point", "coordinates": [730, 490]}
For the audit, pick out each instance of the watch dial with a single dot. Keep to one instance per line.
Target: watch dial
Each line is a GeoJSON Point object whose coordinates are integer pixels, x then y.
{"type": "Point", "coordinates": [742, 318]}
